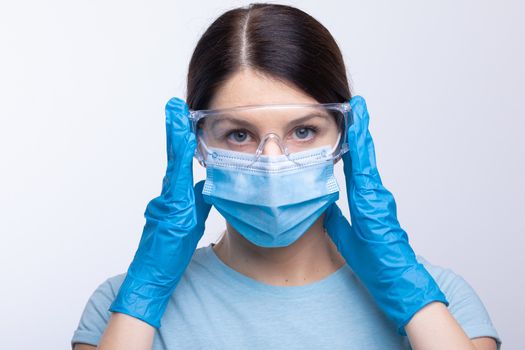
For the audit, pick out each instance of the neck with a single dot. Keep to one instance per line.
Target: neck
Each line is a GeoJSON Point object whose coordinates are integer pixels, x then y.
{"type": "Point", "coordinates": [311, 258]}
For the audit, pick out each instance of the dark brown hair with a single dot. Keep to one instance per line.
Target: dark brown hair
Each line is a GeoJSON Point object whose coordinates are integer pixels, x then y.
{"type": "Point", "coordinates": [280, 41]}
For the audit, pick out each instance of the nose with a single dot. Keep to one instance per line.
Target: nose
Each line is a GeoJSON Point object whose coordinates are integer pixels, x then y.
{"type": "Point", "coordinates": [271, 149]}
{"type": "Point", "coordinates": [272, 146]}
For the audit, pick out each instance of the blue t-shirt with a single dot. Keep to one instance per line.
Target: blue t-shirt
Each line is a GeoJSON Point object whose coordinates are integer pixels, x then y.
{"type": "Point", "coordinates": [216, 307]}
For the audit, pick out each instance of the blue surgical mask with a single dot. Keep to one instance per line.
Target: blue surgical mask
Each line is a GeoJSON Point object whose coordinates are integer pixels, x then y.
{"type": "Point", "coordinates": [275, 200]}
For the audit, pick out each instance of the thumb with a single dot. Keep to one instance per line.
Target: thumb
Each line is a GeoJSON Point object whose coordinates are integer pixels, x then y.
{"type": "Point", "coordinates": [338, 228]}
{"type": "Point", "coordinates": [181, 144]}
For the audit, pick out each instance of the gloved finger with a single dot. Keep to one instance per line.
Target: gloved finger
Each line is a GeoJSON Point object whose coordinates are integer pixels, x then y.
{"type": "Point", "coordinates": [181, 144]}
{"type": "Point", "coordinates": [338, 228]}
{"type": "Point", "coordinates": [360, 161]}
{"type": "Point", "coordinates": [372, 206]}
{"type": "Point", "coordinates": [202, 208]}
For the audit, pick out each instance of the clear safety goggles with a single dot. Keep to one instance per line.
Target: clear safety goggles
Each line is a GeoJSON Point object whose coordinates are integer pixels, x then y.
{"type": "Point", "coordinates": [293, 128]}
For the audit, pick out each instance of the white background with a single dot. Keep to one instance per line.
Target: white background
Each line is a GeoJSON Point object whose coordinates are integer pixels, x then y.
{"type": "Point", "coordinates": [83, 85]}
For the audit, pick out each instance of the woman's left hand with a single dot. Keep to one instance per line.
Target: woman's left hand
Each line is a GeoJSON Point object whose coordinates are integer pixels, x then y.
{"type": "Point", "coordinates": [376, 247]}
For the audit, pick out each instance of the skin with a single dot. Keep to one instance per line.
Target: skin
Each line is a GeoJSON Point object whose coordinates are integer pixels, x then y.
{"type": "Point", "coordinates": [309, 259]}
{"type": "Point", "coordinates": [313, 256]}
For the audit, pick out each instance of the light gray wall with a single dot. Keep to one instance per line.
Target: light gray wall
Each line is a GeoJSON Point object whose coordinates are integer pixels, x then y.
{"type": "Point", "coordinates": [83, 86]}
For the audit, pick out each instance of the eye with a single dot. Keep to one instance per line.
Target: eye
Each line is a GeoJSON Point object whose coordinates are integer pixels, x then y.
{"type": "Point", "coordinates": [305, 132]}
{"type": "Point", "coordinates": [238, 136]}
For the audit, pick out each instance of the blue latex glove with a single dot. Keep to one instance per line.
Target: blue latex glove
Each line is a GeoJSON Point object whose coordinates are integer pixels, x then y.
{"type": "Point", "coordinates": [376, 247]}
{"type": "Point", "coordinates": [174, 225]}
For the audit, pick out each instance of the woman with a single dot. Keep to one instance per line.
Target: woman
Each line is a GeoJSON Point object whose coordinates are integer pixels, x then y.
{"type": "Point", "coordinates": [290, 271]}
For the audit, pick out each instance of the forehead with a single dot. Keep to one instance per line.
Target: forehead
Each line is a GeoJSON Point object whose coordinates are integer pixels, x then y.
{"type": "Point", "coordinates": [248, 87]}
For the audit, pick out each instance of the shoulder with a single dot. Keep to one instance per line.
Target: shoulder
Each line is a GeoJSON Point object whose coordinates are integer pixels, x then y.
{"type": "Point", "coordinates": [448, 280]}
{"type": "Point", "coordinates": [96, 314]}
{"type": "Point", "coordinates": [111, 285]}
{"type": "Point", "coordinates": [459, 292]}
{"type": "Point", "coordinates": [464, 303]}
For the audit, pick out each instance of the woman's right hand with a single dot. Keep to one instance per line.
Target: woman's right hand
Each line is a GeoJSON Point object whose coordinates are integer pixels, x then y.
{"type": "Point", "coordinates": [174, 225]}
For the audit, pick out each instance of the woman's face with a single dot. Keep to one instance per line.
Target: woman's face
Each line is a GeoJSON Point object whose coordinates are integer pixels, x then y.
{"type": "Point", "coordinates": [247, 87]}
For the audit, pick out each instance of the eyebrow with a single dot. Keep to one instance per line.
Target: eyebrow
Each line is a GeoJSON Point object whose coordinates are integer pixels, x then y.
{"type": "Point", "coordinates": [244, 123]}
